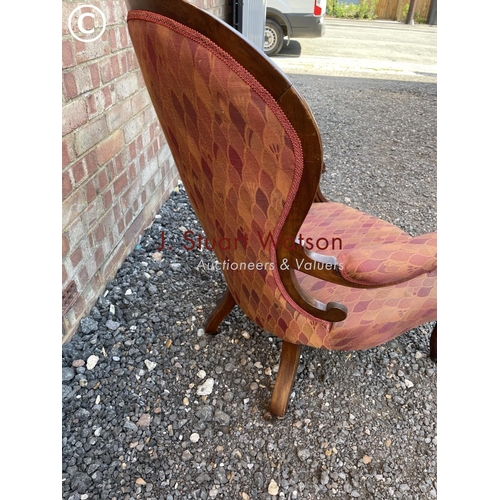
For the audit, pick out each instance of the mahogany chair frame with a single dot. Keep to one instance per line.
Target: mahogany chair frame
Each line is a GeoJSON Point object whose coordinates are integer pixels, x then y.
{"type": "Point", "coordinates": [304, 123]}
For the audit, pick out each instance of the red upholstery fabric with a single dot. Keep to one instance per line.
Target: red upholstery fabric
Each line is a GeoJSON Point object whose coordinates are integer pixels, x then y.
{"type": "Point", "coordinates": [375, 315]}
{"type": "Point", "coordinates": [389, 263]}
{"type": "Point", "coordinates": [241, 161]}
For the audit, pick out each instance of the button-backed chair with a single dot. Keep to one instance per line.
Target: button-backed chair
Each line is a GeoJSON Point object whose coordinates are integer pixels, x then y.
{"type": "Point", "coordinates": [248, 151]}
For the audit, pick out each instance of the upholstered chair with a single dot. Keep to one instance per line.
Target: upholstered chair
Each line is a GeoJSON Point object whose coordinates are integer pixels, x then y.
{"type": "Point", "coordinates": [249, 154]}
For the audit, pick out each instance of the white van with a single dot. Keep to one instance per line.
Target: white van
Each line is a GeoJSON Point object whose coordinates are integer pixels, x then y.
{"type": "Point", "coordinates": [292, 19]}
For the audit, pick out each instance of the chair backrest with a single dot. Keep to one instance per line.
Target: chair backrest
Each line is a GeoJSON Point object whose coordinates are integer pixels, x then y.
{"type": "Point", "coordinates": [246, 146]}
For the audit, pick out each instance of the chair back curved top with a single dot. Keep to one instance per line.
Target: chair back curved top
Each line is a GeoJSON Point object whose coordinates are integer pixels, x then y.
{"type": "Point", "coordinates": [245, 144]}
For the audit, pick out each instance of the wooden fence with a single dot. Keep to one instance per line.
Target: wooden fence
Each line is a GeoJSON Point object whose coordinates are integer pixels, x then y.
{"type": "Point", "coordinates": [393, 9]}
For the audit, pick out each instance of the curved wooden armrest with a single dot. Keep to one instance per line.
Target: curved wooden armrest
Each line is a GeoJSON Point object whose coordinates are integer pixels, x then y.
{"type": "Point", "coordinates": [320, 266]}
{"type": "Point", "coordinates": [324, 267]}
{"type": "Point", "coordinates": [332, 311]}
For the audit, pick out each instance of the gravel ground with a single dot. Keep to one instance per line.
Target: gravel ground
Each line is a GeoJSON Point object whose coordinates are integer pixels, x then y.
{"type": "Point", "coordinates": [154, 409]}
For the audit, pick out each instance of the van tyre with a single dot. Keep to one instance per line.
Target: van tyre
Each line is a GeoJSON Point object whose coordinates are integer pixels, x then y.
{"type": "Point", "coordinates": [273, 38]}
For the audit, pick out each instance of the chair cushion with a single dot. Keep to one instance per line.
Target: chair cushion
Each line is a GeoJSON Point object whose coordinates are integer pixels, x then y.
{"type": "Point", "coordinates": [389, 263]}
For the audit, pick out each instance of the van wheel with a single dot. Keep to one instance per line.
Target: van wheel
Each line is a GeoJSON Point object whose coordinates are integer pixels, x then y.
{"type": "Point", "coordinates": [273, 37]}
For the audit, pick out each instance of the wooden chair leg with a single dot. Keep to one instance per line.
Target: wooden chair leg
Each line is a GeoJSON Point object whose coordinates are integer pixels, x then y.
{"type": "Point", "coordinates": [290, 356]}
{"type": "Point", "coordinates": [434, 348]}
{"type": "Point", "coordinates": [222, 309]}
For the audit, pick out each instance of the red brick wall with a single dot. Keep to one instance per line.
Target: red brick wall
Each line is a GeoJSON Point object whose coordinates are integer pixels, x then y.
{"type": "Point", "coordinates": [117, 169]}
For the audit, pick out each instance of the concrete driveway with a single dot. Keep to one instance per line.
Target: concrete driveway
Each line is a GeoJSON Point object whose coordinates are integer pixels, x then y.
{"type": "Point", "coordinates": [374, 49]}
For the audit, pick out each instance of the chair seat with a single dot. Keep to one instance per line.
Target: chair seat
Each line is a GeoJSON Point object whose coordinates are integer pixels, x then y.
{"type": "Point", "coordinates": [375, 315]}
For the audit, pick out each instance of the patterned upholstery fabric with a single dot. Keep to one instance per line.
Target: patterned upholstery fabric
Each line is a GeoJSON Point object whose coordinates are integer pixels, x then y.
{"type": "Point", "coordinates": [390, 263]}
{"type": "Point", "coordinates": [375, 315]}
{"type": "Point", "coordinates": [241, 162]}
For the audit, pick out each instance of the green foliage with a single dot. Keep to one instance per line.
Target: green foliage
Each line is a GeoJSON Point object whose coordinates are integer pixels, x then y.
{"type": "Point", "coordinates": [365, 9]}
{"type": "Point", "coordinates": [330, 6]}
{"type": "Point", "coordinates": [416, 17]}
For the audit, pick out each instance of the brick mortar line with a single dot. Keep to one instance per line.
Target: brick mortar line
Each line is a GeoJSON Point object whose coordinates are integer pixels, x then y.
{"type": "Point", "coordinates": [109, 132]}
{"type": "Point", "coordinates": [73, 271]}
{"type": "Point", "coordinates": [105, 213]}
{"type": "Point", "coordinates": [99, 58]}
{"type": "Point", "coordinates": [109, 82]}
